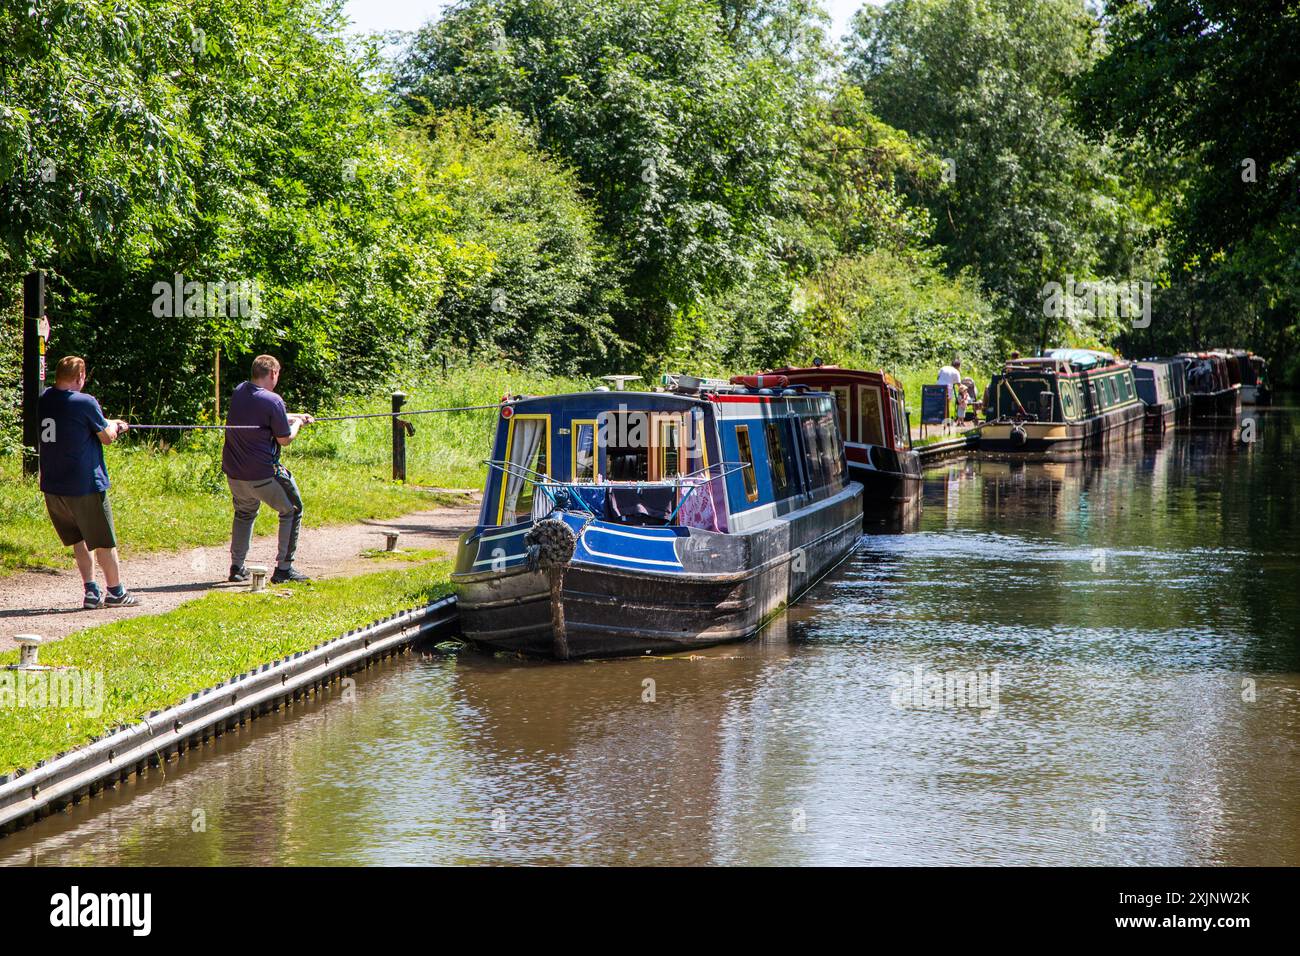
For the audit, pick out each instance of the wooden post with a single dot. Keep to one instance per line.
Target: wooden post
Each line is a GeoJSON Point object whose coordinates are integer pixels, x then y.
{"type": "Point", "coordinates": [399, 439]}
{"type": "Point", "coordinates": [33, 368]}
{"type": "Point", "coordinates": [216, 388]}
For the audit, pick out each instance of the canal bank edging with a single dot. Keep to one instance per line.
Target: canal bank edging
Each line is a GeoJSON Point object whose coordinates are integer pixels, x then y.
{"type": "Point", "coordinates": [52, 785]}
{"type": "Point", "coordinates": [948, 448]}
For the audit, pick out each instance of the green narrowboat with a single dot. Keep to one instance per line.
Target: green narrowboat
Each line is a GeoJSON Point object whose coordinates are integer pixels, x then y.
{"type": "Point", "coordinates": [1060, 404]}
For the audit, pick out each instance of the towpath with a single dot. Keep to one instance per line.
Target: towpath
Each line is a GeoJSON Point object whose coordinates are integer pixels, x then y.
{"type": "Point", "coordinates": [48, 603]}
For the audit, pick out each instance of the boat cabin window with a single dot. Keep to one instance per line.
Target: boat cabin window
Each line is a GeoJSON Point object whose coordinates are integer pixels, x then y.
{"type": "Point", "coordinates": [584, 450]}
{"type": "Point", "coordinates": [670, 449]}
{"type": "Point", "coordinates": [900, 418]}
{"type": "Point", "coordinates": [747, 459]}
{"type": "Point", "coordinates": [871, 424]}
{"type": "Point", "coordinates": [1026, 390]}
{"type": "Point", "coordinates": [780, 459]}
{"type": "Point", "coordinates": [812, 453]}
{"type": "Point", "coordinates": [528, 450]}
{"type": "Point", "coordinates": [625, 439]}
{"type": "Point", "coordinates": [841, 393]}
{"type": "Point", "coordinates": [832, 459]}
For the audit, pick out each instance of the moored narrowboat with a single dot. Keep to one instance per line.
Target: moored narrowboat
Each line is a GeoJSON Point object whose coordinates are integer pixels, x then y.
{"type": "Point", "coordinates": [877, 437]}
{"type": "Point", "coordinates": [1209, 382]}
{"type": "Point", "coordinates": [1162, 387]}
{"type": "Point", "coordinates": [1061, 404]}
{"type": "Point", "coordinates": [1251, 372]}
{"type": "Point", "coordinates": [625, 522]}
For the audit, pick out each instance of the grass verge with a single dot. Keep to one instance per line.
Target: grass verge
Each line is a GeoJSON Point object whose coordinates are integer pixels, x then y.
{"type": "Point", "coordinates": [151, 662]}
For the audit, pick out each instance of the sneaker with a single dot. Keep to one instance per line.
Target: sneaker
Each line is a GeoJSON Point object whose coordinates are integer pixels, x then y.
{"type": "Point", "coordinates": [125, 599]}
{"type": "Point", "coordinates": [238, 573]}
{"type": "Point", "coordinates": [289, 576]}
{"type": "Point", "coordinates": [92, 601]}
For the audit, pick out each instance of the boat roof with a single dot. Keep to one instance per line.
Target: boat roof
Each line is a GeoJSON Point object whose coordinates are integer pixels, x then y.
{"type": "Point", "coordinates": [833, 373]}
{"type": "Point", "coordinates": [1082, 358]}
{"type": "Point", "coordinates": [603, 398]}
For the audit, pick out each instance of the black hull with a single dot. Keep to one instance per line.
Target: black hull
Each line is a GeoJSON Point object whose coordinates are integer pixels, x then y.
{"type": "Point", "coordinates": [1225, 403]}
{"type": "Point", "coordinates": [613, 612]}
{"type": "Point", "coordinates": [1166, 415]}
{"type": "Point", "coordinates": [884, 489]}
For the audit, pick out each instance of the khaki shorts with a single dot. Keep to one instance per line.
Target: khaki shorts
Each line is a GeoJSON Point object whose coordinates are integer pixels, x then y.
{"type": "Point", "coordinates": [87, 518]}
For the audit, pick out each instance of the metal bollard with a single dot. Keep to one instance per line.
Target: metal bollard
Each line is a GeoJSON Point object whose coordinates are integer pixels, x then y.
{"type": "Point", "coordinates": [257, 581]}
{"type": "Point", "coordinates": [29, 647]}
{"type": "Point", "coordinates": [390, 540]}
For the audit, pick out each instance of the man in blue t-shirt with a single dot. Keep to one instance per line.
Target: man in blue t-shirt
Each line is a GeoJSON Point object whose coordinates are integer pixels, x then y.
{"type": "Point", "coordinates": [74, 432]}
{"type": "Point", "coordinates": [251, 460]}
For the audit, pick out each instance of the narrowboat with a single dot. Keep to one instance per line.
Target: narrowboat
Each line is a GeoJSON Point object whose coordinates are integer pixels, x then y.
{"type": "Point", "coordinates": [1251, 372]}
{"type": "Point", "coordinates": [1209, 382]}
{"type": "Point", "coordinates": [626, 522]}
{"type": "Point", "coordinates": [1162, 386]}
{"type": "Point", "coordinates": [877, 435]}
{"type": "Point", "coordinates": [1060, 404]}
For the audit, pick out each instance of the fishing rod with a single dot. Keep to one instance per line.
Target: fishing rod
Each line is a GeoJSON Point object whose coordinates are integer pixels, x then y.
{"type": "Point", "coordinates": [324, 418]}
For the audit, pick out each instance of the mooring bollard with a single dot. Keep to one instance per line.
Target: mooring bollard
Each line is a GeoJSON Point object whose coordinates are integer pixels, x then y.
{"type": "Point", "coordinates": [390, 540]}
{"type": "Point", "coordinates": [399, 438]}
{"type": "Point", "coordinates": [257, 573]}
{"type": "Point", "coordinates": [29, 646]}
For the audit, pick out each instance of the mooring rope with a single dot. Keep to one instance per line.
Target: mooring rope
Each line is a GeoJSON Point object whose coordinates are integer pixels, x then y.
{"type": "Point", "coordinates": [324, 418]}
{"type": "Point", "coordinates": [422, 411]}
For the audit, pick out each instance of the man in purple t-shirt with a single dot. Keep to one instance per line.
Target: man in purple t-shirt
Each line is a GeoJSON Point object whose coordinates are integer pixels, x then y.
{"type": "Point", "coordinates": [251, 461]}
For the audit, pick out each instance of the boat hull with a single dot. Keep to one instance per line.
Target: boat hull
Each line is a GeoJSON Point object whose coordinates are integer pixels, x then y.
{"type": "Point", "coordinates": [1255, 395]}
{"type": "Point", "coordinates": [1225, 403]}
{"type": "Point", "coordinates": [1054, 440]}
{"type": "Point", "coordinates": [888, 494]}
{"type": "Point", "coordinates": [729, 586]}
{"type": "Point", "coordinates": [1162, 416]}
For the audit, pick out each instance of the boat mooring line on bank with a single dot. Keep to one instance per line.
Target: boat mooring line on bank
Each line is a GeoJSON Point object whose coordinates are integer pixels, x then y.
{"type": "Point", "coordinates": [52, 785]}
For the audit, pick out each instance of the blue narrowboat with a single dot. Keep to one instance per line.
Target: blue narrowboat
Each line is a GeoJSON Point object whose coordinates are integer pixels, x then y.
{"type": "Point", "coordinates": [622, 522]}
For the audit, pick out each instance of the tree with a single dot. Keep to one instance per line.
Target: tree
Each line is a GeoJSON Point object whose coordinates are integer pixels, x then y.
{"type": "Point", "coordinates": [1210, 86]}
{"type": "Point", "coordinates": [685, 144]}
{"type": "Point", "coordinates": [984, 85]}
{"type": "Point", "coordinates": [545, 297]}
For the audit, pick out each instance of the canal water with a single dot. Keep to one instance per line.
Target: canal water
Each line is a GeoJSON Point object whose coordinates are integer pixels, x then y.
{"type": "Point", "coordinates": [1083, 663]}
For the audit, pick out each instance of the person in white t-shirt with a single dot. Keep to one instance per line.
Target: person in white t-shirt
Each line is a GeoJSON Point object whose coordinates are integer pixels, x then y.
{"type": "Point", "coordinates": [950, 375]}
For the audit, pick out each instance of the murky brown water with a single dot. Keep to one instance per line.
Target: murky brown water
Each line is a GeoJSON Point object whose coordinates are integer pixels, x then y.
{"type": "Point", "coordinates": [1141, 618]}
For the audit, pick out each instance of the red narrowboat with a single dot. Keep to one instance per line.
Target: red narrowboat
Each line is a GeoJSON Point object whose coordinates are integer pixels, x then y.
{"type": "Point", "coordinates": [877, 436]}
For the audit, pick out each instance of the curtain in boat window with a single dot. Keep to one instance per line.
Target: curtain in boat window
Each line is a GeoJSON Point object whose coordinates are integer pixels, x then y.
{"type": "Point", "coordinates": [527, 451]}
{"type": "Point", "coordinates": [584, 438]}
{"type": "Point", "coordinates": [871, 428]}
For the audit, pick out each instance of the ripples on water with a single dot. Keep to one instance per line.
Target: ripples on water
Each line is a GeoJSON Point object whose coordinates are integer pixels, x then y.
{"type": "Point", "coordinates": [1126, 608]}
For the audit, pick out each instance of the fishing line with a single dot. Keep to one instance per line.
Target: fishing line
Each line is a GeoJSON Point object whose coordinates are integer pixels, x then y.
{"type": "Point", "coordinates": [325, 418]}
